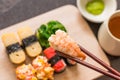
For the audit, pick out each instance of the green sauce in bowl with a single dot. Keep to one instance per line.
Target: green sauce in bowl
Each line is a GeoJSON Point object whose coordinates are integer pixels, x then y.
{"type": "Point", "coordinates": [95, 7]}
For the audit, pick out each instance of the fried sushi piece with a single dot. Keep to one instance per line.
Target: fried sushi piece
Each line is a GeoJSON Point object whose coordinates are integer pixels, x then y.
{"type": "Point", "coordinates": [29, 41]}
{"type": "Point", "coordinates": [14, 50]}
{"type": "Point", "coordinates": [62, 42]}
{"type": "Point", "coordinates": [26, 72]}
{"type": "Point", "coordinates": [44, 71]}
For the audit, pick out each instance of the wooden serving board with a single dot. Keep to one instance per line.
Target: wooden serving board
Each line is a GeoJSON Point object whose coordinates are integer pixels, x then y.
{"type": "Point", "coordinates": [77, 28]}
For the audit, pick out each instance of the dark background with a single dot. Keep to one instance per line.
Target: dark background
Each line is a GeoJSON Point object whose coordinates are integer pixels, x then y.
{"type": "Point", "coordinates": [14, 11]}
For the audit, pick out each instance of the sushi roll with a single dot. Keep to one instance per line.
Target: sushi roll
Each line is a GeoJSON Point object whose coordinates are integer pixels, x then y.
{"type": "Point", "coordinates": [14, 50]}
{"type": "Point", "coordinates": [62, 42]}
{"type": "Point", "coordinates": [55, 60]}
{"type": "Point", "coordinates": [44, 71]}
{"type": "Point", "coordinates": [69, 62]}
{"type": "Point", "coordinates": [26, 72]}
{"type": "Point", "coordinates": [29, 41]}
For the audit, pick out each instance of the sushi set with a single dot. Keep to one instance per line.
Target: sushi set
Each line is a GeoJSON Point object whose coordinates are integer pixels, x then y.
{"type": "Point", "coordinates": [37, 42]}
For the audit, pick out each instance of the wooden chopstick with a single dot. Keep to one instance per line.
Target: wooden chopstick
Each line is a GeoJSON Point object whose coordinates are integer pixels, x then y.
{"type": "Point", "coordinates": [90, 66]}
{"type": "Point", "coordinates": [99, 61]}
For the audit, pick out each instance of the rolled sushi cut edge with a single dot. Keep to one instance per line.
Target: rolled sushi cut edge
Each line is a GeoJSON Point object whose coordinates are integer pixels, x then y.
{"type": "Point", "coordinates": [55, 60]}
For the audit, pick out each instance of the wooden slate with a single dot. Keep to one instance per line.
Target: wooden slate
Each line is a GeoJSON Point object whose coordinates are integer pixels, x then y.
{"type": "Point", "coordinates": [77, 28]}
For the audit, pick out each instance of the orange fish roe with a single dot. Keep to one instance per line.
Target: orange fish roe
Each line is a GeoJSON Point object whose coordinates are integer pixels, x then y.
{"type": "Point", "coordinates": [43, 68]}
{"type": "Point", "coordinates": [26, 72]}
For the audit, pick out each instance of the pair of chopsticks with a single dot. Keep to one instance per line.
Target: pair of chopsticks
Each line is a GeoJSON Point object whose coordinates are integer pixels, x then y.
{"type": "Point", "coordinates": [111, 72]}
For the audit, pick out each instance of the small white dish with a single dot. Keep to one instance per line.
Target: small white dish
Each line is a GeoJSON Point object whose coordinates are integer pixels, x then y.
{"type": "Point", "coordinates": [110, 7]}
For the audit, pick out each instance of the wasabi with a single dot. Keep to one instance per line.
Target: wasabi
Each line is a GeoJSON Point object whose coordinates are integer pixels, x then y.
{"type": "Point", "coordinates": [95, 7]}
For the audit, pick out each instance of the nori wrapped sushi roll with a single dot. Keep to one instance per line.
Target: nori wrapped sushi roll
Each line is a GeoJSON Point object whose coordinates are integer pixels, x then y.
{"type": "Point", "coordinates": [69, 62]}
{"type": "Point", "coordinates": [55, 60]}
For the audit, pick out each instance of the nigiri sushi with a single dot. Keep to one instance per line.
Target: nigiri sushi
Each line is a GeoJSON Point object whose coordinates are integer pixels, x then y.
{"type": "Point", "coordinates": [29, 41]}
{"type": "Point", "coordinates": [43, 69]}
{"type": "Point", "coordinates": [62, 42]}
{"type": "Point", "coordinates": [15, 52]}
{"type": "Point", "coordinates": [26, 72]}
{"type": "Point", "coordinates": [55, 60]}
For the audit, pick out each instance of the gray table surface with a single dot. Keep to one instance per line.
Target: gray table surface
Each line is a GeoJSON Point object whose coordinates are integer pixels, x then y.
{"type": "Point", "coordinates": [14, 11]}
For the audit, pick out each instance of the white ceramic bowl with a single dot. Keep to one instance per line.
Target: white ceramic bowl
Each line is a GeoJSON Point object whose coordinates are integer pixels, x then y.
{"type": "Point", "coordinates": [110, 7]}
